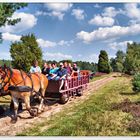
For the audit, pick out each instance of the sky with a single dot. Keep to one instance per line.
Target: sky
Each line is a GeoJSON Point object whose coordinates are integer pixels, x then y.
{"type": "Point", "coordinates": [76, 31]}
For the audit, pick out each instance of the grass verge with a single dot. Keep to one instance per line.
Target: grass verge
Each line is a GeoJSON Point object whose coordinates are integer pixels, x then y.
{"type": "Point", "coordinates": [93, 117]}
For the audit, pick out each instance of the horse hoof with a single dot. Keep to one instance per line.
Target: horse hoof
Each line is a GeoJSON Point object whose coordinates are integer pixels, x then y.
{"type": "Point", "coordinates": [34, 112]}
{"type": "Point", "coordinates": [13, 120]}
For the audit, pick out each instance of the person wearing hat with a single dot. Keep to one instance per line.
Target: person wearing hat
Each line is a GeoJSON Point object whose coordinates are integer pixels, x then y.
{"type": "Point", "coordinates": [61, 74]}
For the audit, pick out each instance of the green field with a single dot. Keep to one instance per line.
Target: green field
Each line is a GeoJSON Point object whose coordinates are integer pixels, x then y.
{"type": "Point", "coordinates": [94, 117]}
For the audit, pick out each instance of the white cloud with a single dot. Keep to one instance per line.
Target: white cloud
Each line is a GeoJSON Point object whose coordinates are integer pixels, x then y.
{"type": "Point", "coordinates": [43, 43]}
{"type": "Point", "coordinates": [78, 13]}
{"type": "Point", "coordinates": [97, 6]}
{"type": "Point", "coordinates": [111, 12]}
{"type": "Point", "coordinates": [27, 21]}
{"type": "Point", "coordinates": [61, 7]}
{"type": "Point", "coordinates": [102, 21]}
{"type": "Point", "coordinates": [56, 56]}
{"type": "Point", "coordinates": [119, 45]}
{"type": "Point", "coordinates": [46, 43]}
{"type": "Point", "coordinates": [57, 14]}
{"type": "Point", "coordinates": [58, 9]}
{"type": "Point", "coordinates": [108, 33]}
{"type": "Point", "coordinates": [63, 42]}
{"type": "Point", "coordinates": [132, 10]}
{"type": "Point", "coordinates": [40, 13]}
{"type": "Point", "coordinates": [10, 37]}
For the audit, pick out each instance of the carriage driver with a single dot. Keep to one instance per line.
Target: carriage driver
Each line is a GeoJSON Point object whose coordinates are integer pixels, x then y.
{"type": "Point", "coordinates": [35, 67]}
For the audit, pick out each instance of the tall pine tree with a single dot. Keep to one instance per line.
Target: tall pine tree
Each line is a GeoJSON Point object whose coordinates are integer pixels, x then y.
{"type": "Point", "coordinates": [103, 63]}
{"type": "Point", "coordinates": [132, 61]}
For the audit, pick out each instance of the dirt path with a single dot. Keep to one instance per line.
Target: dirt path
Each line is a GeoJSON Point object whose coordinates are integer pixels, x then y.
{"type": "Point", "coordinates": [8, 129]}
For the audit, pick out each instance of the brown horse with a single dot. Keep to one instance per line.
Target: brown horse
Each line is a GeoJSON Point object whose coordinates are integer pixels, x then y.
{"type": "Point", "coordinates": [22, 86]}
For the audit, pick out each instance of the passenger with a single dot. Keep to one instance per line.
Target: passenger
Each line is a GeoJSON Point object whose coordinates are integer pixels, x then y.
{"type": "Point", "coordinates": [45, 69]}
{"type": "Point", "coordinates": [75, 69]}
{"type": "Point", "coordinates": [61, 75]}
{"type": "Point", "coordinates": [68, 68]}
{"type": "Point", "coordinates": [35, 68]}
{"type": "Point", "coordinates": [53, 71]}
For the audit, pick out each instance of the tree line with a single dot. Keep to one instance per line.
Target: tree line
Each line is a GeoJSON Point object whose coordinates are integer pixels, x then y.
{"type": "Point", "coordinates": [128, 62]}
{"type": "Point", "coordinates": [25, 51]}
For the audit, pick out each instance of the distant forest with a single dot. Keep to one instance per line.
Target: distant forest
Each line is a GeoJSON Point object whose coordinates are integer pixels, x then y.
{"type": "Point", "coordinates": [81, 64]}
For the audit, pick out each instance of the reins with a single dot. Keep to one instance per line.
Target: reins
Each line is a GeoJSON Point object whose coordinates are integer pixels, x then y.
{"type": "Point", "coordinates": [23, 79]}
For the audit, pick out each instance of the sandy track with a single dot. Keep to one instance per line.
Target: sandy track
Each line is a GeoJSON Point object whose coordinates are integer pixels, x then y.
{"type": "Point", "coordinates": [8, 129]}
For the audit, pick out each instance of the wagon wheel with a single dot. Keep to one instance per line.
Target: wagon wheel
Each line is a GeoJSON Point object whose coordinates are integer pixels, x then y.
{"type": "Point", "coordinates": [64, 98]}
{"type": "Point", "coordinates": [80, 91]}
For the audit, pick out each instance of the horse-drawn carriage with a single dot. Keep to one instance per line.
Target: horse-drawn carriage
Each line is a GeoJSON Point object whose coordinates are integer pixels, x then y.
{"type": "Point", "coordinates": [22, 85]}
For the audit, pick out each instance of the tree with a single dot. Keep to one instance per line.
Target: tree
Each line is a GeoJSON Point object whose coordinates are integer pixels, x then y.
{"type": "Point", "coordinates": [24, 52]}
{"type": "Point", "coordinates": [132, 60]}
{"type": "Point", "coordinates": [113, 64]}
{"type": "Point", "coordinates": [103, 63]}
{"type": "Point", "coordinates": [136, 82]}
{"type": "Point", "coordinates": [6, 12]}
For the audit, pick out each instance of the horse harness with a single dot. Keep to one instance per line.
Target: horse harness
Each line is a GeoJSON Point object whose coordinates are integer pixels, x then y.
{"type": "Point", "coordinates": [23, 88]}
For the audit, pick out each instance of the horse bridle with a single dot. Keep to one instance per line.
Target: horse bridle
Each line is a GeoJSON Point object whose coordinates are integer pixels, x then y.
{"type": "Point", "coordinates": [3, 83]}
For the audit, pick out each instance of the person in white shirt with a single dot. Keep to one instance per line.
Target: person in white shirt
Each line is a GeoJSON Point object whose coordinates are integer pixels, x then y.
{"type": "Point", "coordinates": [35, 68]}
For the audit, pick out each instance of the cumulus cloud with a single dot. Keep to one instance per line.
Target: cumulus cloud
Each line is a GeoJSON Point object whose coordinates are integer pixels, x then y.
{"type": "Point", "coordinates": [10, 37]}
{"type": "Point", "coordinates": [61, 7]}
{"type": "Point", "coordinates": [57, 14]}
{"type": "Point", "coordinates": [58, 9]}
{"type": "Point", "coordinates": [56, 56]}
{"type": "Point", "coordinates": [133, 12]}
{"type": "Point", "coordinates": [111, 12]}
{"type": "Point", "coordinates": [102, 21]}
{"type": "Point", "coordinates": [119, 45]}
{"type": "Point", "coordinates": [46, 43]}
{"type": "Point", "coordinates": [79, 14]}
{"type": "Point", "coordinates": [43, 43]}
{"type": "Point", "coordinates": [108, 33]}
{"type": "Point", "coordinates": [41, 13]}
{"type": "Point", "coordinates": [65, 43]}
{"type": "Point", "coordinates": [97, 6]}
{"type": "Point", "coordinates": [27, 21]}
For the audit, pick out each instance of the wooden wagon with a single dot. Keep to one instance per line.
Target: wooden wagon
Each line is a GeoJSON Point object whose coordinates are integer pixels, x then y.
{"type": "Point", "coordinates": [75, 86]}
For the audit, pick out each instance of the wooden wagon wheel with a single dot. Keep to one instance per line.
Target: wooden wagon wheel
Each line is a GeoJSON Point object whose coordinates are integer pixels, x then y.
{"type": "Point", "coordinates": [64, 98]}
{"type": "Point", "coordinates": [80, 91]}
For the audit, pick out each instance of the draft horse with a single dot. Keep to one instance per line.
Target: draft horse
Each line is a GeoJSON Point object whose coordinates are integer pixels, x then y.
{"type": "Point", "coordinates": [22, 86]}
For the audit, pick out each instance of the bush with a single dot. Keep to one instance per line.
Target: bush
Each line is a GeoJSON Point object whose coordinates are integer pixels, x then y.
{"type": "Point", "coordinates": [136, 82]}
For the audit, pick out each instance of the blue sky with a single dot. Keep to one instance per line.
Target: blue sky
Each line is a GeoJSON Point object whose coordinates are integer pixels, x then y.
{"type": "Point", "coordinates": [75, 31]}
